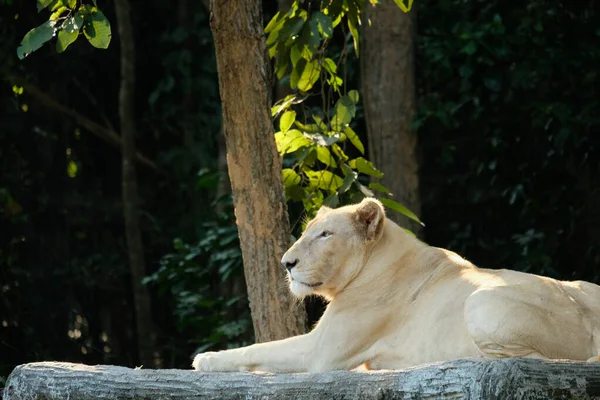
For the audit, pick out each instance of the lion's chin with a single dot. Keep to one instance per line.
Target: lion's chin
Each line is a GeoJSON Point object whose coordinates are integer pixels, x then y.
{"type": "Point", "coordinates": [300, 290]}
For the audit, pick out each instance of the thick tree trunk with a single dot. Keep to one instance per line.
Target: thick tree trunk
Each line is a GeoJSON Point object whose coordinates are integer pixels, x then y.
{"type": "Point", "coordinates": [143, 310]}
{"type": "Point", "coordinates": [254, 165]}
{"type": "Point", "coordinates": [505, 379]}
{"type": "Point", "coordinates": [388, 77]}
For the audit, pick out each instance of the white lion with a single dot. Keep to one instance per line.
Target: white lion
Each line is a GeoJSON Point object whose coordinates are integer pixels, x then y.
{"type": "Point", "coordinates": [396, 302]}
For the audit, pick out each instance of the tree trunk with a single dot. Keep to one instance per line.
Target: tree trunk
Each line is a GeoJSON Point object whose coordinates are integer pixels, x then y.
{"type": "Point", "coordinates": [388, 77]}
{"type": "Point", "coordinates": [254, 165]}
{"type": "Point", "coordinates": [143, 311]}
{"type": "Point", "coordinates": [505, 379]}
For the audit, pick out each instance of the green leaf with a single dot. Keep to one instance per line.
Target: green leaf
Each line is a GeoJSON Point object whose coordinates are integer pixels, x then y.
{"type": "Point", "coordinates": [402, 6]}
{"type": "Point", "coordinates": [323, 140]}
{"type": "Point", "coordinates": [325, 157]}
{"type": "Point", "coordinates": [312, 201]}
{"type": "Point", "coordinates": [379, 187]}
{"type": "Point", "coordinates": [349, 179]}
{"type": "Point", "coordinates": [284, 27]}
{"type": "Point", "coordinates": [272, 39]}
{"type": "Point", "coordinates": [56, 14]}
{"type": "Point", "coordinates": [335, 82]}
{"type": "Point", "coordinates": [296, 193]}
{"type": "Point", "coordinates": [71, 4]}
{"type": "Point", "coordinates": [65, 39]}
{"type": "Point", "coordinates": [72, 169]}
{"type": "Point", "coordinates": [353, 26]}
{"type": "Point", "coordinates": [290, 141]}
{"type": "Point", "coordinates": [41, 4]}
{"type": "Point", "coordinates": [310, 39]}
{"type": "Point", "coordinates": [332, 201]}
{"type": "Point", "coordinates": [409, 232]}
{"type": "Point", "coordinates": [273, 50]}
{"type": "Point", "coordinates": [325, 180]}
{"type": "Point", "coordinates": [283, 104]}
{"type": "Point", "coordinates": [337, 150]}
{"type": "Point", "coordinates": [286, 121]}
{"type": "Point", "coordinates": [363, 189]}
{"type": "Point", "coordinates": [35, 38]}
{"type": "Point", "coordinates": [282, 61]}
{"type": "Point", "coordinates": [366, 167]}
{"type": "Point", "coordinates": [324, 24]}
{"type": "Point", "coordinates": [391, 204]}
{"type": "Point", "coordinates": [274, 22]}
{"type": "Point", "coordinates": [292, 27]}
{"type": "Point", "coordinates": [330, 66]}
{"type": "Point", "coordinates": [335, 10]}
{"type": "Point", "coordinates": [73, 24]}
{"type": "Point", "coordinates": [97, 30]}
{"type": "Point", "coordinates": [307, 157]}
{"type": "Point", "coordinates": [344, 112]}
{"type": "Point", "coordinates": [310, 128]}
{"type": "Point", "coordinates": [290, 177]}
{"type": "Point", "coordinates": [320, 124]}
{"type": "Point", "coordinates": [297, 72]}
{"type": "Point", "coordinates": [295, 54]}
{"type": "Point", "coordinates": [353, 96]}
{"type": "Point", "coordinates": [55, 5]}
{"type": "Point", "coordinates": [282, 66]}
{"type": "Point", "coordinates": [354, 139]}
{"type": "Point", "coordinates": [310, 75]}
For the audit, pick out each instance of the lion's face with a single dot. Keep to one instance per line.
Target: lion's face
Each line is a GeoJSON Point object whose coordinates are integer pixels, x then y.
{"type": "Point", "coordinates": [333, 248]}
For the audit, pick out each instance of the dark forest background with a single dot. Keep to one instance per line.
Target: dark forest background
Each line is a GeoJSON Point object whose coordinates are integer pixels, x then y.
{"type": "Point", "coordinates": [508, 118]}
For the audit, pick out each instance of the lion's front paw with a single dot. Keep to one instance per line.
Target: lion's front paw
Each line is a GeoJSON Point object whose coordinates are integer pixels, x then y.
{"type": "Point", "coordinates": [221, 361]}
{"type": "Point", "coordinates": [205, 362]}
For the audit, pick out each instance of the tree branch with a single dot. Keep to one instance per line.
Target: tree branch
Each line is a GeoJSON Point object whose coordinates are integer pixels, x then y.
{"type": "Point", "coordinates": [504, 379]}
{"type": "Point", "coordinates": [106, 134]}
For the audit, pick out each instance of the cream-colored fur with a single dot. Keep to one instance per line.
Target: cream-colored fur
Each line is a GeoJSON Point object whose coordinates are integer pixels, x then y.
{"type": "Point", "coordinates": [396, 302]}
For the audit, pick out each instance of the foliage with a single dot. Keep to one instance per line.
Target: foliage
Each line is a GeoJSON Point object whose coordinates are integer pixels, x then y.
{"type": "Point", "coordinates": [508, 117]}
{"type": "Point", "coordinates": [193, 275]}
{"type": "Point", "coordinates": [320, 167]}
{"type": "Point", "coordinates": [66, 21]}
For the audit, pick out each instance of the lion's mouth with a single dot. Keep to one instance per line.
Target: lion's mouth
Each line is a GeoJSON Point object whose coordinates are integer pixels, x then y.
{"type": "Point", "coordinates": [310, 285]}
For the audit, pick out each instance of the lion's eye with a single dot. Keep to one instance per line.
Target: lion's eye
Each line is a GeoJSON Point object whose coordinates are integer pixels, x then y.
{"type": "Point", "coordinates": [325, 234]}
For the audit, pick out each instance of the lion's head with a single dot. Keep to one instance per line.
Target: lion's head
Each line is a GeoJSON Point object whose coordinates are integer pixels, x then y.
{"type": "Point", "coordinates": [333, 249]}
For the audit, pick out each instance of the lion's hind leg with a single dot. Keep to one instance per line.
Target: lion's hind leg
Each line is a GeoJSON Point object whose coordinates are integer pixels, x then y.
{"type": "Point", "coordinates": [529, 320]}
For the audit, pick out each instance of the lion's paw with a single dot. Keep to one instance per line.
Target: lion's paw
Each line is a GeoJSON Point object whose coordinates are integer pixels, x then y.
{"type": "Point", "coordinates": [218, 361]}
{"type": "Point", "coordinates": [206, 362]}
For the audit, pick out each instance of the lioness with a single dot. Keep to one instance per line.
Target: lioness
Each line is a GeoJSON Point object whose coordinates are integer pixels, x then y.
{"type": "Point", "coordinates": [396, 302]}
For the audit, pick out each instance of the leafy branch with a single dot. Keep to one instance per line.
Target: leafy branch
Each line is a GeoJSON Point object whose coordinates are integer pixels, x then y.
{"type": "Point", "coordinates": [66, 21]}
{"type": "Point", "coordinates": [319, 170]}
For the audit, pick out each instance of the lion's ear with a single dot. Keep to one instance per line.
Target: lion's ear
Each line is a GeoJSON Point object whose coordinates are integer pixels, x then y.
{"type": "Point", "coordinates": [370, 217]}
{"type": "Point", "coordinates": [323, 210]}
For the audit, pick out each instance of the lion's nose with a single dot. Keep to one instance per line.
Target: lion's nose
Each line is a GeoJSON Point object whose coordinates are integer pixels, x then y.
{"type": "Point", "coordinates": [289, 264]}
